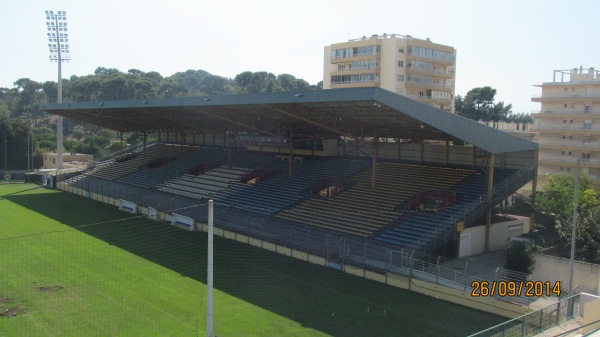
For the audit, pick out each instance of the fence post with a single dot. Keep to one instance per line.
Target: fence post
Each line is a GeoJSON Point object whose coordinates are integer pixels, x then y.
{"type": "Point", "coordinates": [410, 274]}
{"type": "Point", "coordinates": [388, 256]}
{"type": "Point", "coordinates": [437, 279]}
{"type": "Point", "coordinates": [307, 232]}
{"type": "Point", "coordinates": [365, 255]}
{"type": "Point", "coordinates": [557, 311]}
{"type": "Point", "coordinates": [465, 276]}
{"type": "Point", "coordinates": [326, 248]}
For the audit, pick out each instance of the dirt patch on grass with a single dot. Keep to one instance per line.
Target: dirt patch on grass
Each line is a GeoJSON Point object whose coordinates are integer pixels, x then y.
{"type": "Point", "coordinates": [11, 312]}
{"type": "Point", "coordinates": [5, 310]}
{"type": "Point", "coordinates": [50, 288]}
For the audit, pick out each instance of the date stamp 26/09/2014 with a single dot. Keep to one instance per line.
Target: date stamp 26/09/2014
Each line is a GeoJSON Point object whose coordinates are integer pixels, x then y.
{"type": "Point", "coordinates": [515, 288]}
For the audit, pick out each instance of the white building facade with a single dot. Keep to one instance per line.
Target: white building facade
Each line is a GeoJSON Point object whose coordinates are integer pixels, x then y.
{"type": "Point", "coordinates": [419, 69]}
{"type": "Point", "coordinates": [568, 124]}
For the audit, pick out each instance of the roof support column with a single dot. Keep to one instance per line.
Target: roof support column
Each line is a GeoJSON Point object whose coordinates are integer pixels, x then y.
{"type": "Point", "coordinates": [145, 142]}
{"type": "Point", "coordinates": [399, 149]}
{"type": "Point", "coordinates": [422, 150]}
{"type": "Point", "coordinates": [488, 222]}
{"type": "Point", "coordinates": [447, 158]}
{"type": "Point", "coordinates": [374, 155]}
{"type": "Point", "coordinates": [291, 156]}
{"type": "Point", "coordinates": [474, 156]}
{"type": "Point", "coordinates": [534, 189]}
{"type": "Point", "coordinates": [535, 175]}
{"type": "Point", "coordinates": [228, 152]}
{"type": "Point", "coordinates": [121, 137]}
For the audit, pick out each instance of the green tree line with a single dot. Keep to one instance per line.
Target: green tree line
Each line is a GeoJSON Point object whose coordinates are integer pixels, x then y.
{"type": "Point", "coordinates": [479, 104]}
{"type": "Point", "coordinates": [20, 116]}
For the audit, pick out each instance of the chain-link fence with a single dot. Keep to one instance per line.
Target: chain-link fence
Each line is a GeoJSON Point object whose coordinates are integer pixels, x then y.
{"type": "Point", "coordinates": [537, 321]}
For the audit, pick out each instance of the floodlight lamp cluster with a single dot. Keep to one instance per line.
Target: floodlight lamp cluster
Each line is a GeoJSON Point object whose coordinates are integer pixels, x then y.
{"type": "Point", "coordinates": [58, 38]}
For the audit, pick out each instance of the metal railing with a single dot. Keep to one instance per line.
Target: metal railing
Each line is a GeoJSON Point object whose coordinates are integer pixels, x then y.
{"type": "Point", "coordinates": [570, 112]}
{"type": "Point", "coordinates": [337, 248]}
{"type": "Point", "coordinates": [536, 322]}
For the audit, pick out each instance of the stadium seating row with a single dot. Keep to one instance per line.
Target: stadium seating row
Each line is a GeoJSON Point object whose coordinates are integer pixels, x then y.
{"type": "Point", "coordinates": [365, 210]}
{"type": "Point", "coordinates": [360, 210]}
{"type": "Point", "coordinates": [117, 170]}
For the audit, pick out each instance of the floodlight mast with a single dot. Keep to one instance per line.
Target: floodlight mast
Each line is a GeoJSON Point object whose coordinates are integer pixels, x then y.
{"type": "Point", "coordinates": [58, 40]}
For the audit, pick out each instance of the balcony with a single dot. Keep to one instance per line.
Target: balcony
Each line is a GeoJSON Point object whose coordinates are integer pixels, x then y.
{"type": "Point", "coordinates": [357, 56]}
{"type": "Point", "coordinates": [429, 98]}
{"type": "Point", "coordinates": [561, 113]}
{"type": "Point", "coordinates": [356, 70]}
{"type": "Point", "coordinates": [430, 59]}
{"type": "Point", "coordinates": [422, 84]}
{"type": "Point", "coordinates": [354, 84]}
{"type": "Point", "coordinates": [568, 128]}
{"type": "Point", "coordinates": [563, 97]}
{"type": "Point", "coordinates": [556, 144]}
{"type": "Point", "coordinates": [569, 160]}
{"type": "Point", "coordinates": [437, 73]}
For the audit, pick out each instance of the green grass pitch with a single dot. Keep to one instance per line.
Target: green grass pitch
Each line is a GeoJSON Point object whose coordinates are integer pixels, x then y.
{"type": "Point", "coordinates": [71, 266]}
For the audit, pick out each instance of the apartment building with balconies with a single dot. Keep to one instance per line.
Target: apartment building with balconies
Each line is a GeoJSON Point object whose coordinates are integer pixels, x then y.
{"type": "Point", "coordinates": [419, 69]}
{"type": "Point", "coordinates": [568, 124]}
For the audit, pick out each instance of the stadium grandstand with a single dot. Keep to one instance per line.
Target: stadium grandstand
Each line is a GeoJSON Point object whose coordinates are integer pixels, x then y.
{"type": "Point", "coordinates": [363, 164]}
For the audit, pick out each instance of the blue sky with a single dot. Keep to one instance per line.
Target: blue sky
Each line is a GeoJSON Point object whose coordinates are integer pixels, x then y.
{"type": "Point", "coordinates": [510, 45]}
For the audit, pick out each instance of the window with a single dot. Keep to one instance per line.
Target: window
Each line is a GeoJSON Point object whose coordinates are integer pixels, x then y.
{"type": "Point", "coordinates": [565, 105]}
{"type": "Point", "coordinates": [571, 121]}
{"type": "Point", "coordinates": [566, 89]}
{"type": "Point", "coordinates": [400, 77]}
{"type": "Point", "coordinates": [562, 153]}
{"type": "Point", "coordinates": [570, 137]}
{"type": "Point", "coordinates": [564, 137]}
{"type": "Point", "coordinates": [401, 50]}
{"type": "Point", "coordinates": [400, 63]}
{"type": "Point", "coordinates": [421, 65]}
{"type": "Point", "coordinates": [430, 53]}
{"type": "Point", "coordinates": [569, 153]}
{"type": "Point", "coordinates": [518, 127]}
{"type": "Point", "coordinates": [564, 121]}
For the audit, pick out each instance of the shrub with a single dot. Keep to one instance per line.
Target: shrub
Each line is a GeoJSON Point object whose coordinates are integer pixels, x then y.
{"type": "Point", "coordinates": [519, 257]}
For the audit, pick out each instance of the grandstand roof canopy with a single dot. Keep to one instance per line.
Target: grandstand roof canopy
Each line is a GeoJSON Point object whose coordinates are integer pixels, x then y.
{"type": "Point", "coordinates": [357, 112]}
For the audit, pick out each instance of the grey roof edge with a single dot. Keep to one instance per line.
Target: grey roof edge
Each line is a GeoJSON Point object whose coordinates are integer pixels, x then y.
{"type": "Point", "coordinates": [482, 136]}
{"type": "Point", "coordinates": [307, 96]}
{"type": "Point", "coordinates": [487, 138]}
